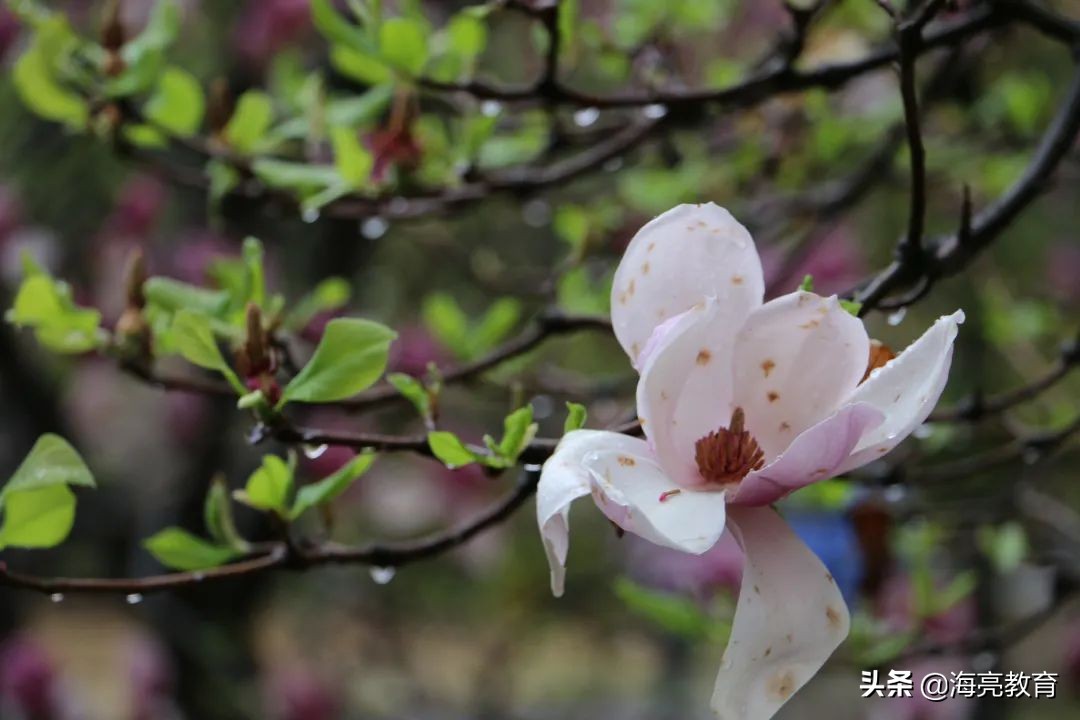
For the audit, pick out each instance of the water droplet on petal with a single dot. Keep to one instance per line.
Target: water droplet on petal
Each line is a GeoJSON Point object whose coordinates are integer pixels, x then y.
{"type": "Point", "coordinates": [57, 597]}
{"type": "Point", "coordinates": [490, 108]}
{"type": "Point", "coordinates": [897, 317]}
{"type": "Point", "coordinates": [374, 227]}
{"type": "Point", "coordinates": [586, 117]}
{"type": "Point", "coordinates": [134, 599]}
{"type": "Point", "coordinates": [383, 575]}
{"type": "Point", "coordinates": [654, 111]}
{"type": "Point", "coordinates": [314, 452]}
{"type": "Point", "coordinates": [309, 215]}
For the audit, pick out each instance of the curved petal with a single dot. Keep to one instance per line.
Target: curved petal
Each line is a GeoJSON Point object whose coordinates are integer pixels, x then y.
{"type": "Point", "coordinates": [905, 389]}
{"type": "Point", "coordinates": [685, 388]}
{"type": "Point", "coordinates": [797, 359]}
{"type": "Point", "coordinates": [677, 260]}
{"type": "Point", "coordinates": [789, 619]}
{"type": "Point", "coordinates": [814, 455]}
{"type": "Point", "coordinates": [629, 488]}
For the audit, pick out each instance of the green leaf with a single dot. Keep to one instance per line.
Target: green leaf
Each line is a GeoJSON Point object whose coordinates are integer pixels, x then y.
{"type": "Point", "coordinates": [351, 355]}
{"type": "Point", "coordinates": [334, 26]}
{"type": "Point", "coordinates": [675, 614]}
{"type": "Point", "coordinates": [52, 461]}
{"type": "Point", "coordinates": [518, 431]}
{"type": "Point", "coordinates": [960, 587]}
{"type": "Point", "coordinates": [178, 104]}
{"type": "Point", "coordinates": [250, 122]}
{"type": "Point", "coordinates": [330, 487]}
{"type": "Point", "coordinates": [195, 341]}
{"type": "Point", "coordinates": [174, 296]}
{"type": "Point", "coordinates": [851, 306]}
{"type": "Point", "coordinates": [180, 550]}
{"type": "Point", "coordinates": [268, 488]}
{"type": "Point", "coordinates": [403, 43]}
{"type": "Point", "coordinates": [572, 225]}
{"type": "Point", "coordinates": [500, 319]}
{"type": "Point", "coordinates": [807, 284]}
{"type": "Point", "coordinates": [467, 34]}
{"type": "Point", "coordinates": [445, 319]}
{"type": "Point", "coordinates": [35, 75]}
{"type": "Point", "coordinates": [1006, 546]}
{"type": "Point", "coordinates": [41, 517]}
{"type": "Point", "coordinates": [450, 450]}
{"type": "Point", "coordinates": [330, 294]}
{"type": "Point", "coordinates": [362, 109]}
{"type": "Point", "coordinates": [360, 65]}
{"type": "Point", "coordinates": [353, 160]}
{"type": "Point", "coordinates": [576, 416]}
{"type": "Point", "coordinates": [294, 175]}
{"type": "Point", "coordinates": [45, 305]}
{"type": "Point", "coordinates": [217, 514]}
{"type": "Point", "coordinates": [414, 391]}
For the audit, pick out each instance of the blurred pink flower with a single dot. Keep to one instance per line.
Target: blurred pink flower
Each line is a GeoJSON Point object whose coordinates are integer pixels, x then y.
{"type": "Point", "coordinates": [10, 210]}
{"type": "Point", "coordinates": [895, 607]}
{"type": "Point", "coordinates": [1072, 658]}
{"type": "Point", "coordinates": [701, 576]}
{"type": "Point", "coordinates": [28, 681]}
{"type": "Point", "coordinates": [836, 263]}
{"type": "Point", "coordinates": [266, 26]}
{"type": "Point", "coordinates": [9, 30]}
{"type": "Point", "coordinates": [137, 208]}
{"type": "Point", "coordinates": [300, 695]}
{"type": "Point", "coordinates": [196, 250]}
{"type": "Point", "coordinates": [414, 349]}
{"type": "Point", "coordinates": [151, 681]}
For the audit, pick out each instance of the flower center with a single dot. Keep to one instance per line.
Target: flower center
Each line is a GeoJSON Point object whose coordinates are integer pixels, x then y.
{"type": "Point", "coordinates": [726, 456]}
{"type": "Point", "coordinates": [880, 354]}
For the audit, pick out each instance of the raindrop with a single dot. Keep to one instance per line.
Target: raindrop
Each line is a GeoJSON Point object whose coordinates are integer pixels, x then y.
{"type": "Point", "coordinates": [536, 213]}
{"type": "Point", "coordinates": [134, 599]}
{"type": "Point", "coordinates": [383, 575]}
{"type": "Point", "coordinates": [654, 111]}
{"type": "Point", "coordinates": [895, 494]}
{"type": "Point", "coordinates": [374, 227]}
{"type": "Point", "coordinates": [57, 597]}
{"type": "Point", "coordinates": [490, 108]}
{"type": "Point", "coordinates": [532, 467]}
{"type": "Point", "coordinates": [314, 452]}
{"type": "Point", "coordinates": [309, 215]}
{"type": "Point", "coordinates": [897, 317]}
{"type": "Point", "coordinates": [586, 117]}
{"type": "Point", "coordinates": [199, 577]}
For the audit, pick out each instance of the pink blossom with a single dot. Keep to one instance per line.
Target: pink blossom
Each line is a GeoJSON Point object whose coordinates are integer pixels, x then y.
{"type": "Point", "coordinates": [742, 403]}
{"type": "Point", "coordinates": [28, 682]}
{"type": "Point", "coordinates": [266, 26]}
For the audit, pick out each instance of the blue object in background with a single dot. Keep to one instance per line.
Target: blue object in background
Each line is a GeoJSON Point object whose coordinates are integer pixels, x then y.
{"type": "Point", "coordinates": [831, 536]}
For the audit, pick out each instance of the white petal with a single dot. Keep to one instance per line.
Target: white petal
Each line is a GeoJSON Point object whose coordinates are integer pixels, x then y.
{"type": "Point", "coordinates": [815, 455]}
{"type": "Point", "coordinates": [630, 488]}
{"type": "Point", "coordinates": [797, 359]}
{"type": "Point", "coordinates": [677, 260]}
{"type": "Point", "coordinates": [685, 389]}
{"type": "Point", "coordinates": [906, 389]}
{"type": "Point", "coordinates": [789, 619]}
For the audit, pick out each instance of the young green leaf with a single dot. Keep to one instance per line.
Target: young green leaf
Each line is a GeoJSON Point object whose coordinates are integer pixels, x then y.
{"type": "Point", "coordinates": [217, 514]}
{"type": "Point", "coordinates": [250, 122]}
{"type": "Point", "coordinates": [325, 490]}
{"type": "Point", "coordinates": [40, 517]}
{"type": "Point", "coordinates": [45, 305]}
{"type": "Point", "coordinates": [353, 160]}
{"type": "Point", "coordinates": [174, 295]}
{"type": "Point", "coordinates": [445, 319]}
{"type": "Point", "coordinates": [807, 284]}
{"type": "Point", "coordinates": [499, 320]}
{"type": "Point", "coordinates": [360, 65]}
{"type": "Point", "coordinates": [334, 26]}
{"type": "Point", "coordinates": [403, 43]}
{"type": "Point", "coordinates": [269, 487]}
{"type": "Point", "coordinates": [180, 550]}
{"type": "Point", "coordinates": [467, 34]}
{"type": "Point", "coordinates": [330, 294]}
{"type": "Point", "coordinates": [448, 448]}
{"type": "Point", "coordinates": [575, 417]}
{"type": "Point", "coordinates": [414, 391]}
{"type": "Point", "coordinates": [851, 306]}
{"type": "Point", "coordinates": [351, 355]}
{"type": "Point", "coordinates": [518, 431]}
{"type": "Point", "coordinates": [195, 340]}
{"type": "Point", "coordinates": [35, 75]}
{"type": "Point", "coordinates": [52, 461]}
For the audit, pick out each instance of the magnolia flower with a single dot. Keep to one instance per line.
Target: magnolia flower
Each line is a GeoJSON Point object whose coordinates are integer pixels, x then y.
{"type": "Point", "coordinates": [741, 403]}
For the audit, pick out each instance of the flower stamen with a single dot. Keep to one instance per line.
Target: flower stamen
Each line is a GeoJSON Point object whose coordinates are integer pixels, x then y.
{"type": "Point", "coordinates": [726, 456]}
{"type": "Point", "coordinates": [880, 354]}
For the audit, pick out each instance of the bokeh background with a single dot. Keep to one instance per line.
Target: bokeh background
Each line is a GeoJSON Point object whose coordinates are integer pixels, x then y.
{"type": "Point", "coordinates": [930, 554]}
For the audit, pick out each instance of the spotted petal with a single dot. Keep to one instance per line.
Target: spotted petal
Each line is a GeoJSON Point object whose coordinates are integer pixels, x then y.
{"type": "Point", "coordinates": [797, 359]}
{"type": "Point", "coordinates": [677, 260]}
{"type": "Point", "coordinates": [906, 389]}
{"type": "Point", "coordinates": [632, 491]}
{"type": "Point", "coordinates": [789, 619]}
{"type": "Point", "coordinates": [816, 454]}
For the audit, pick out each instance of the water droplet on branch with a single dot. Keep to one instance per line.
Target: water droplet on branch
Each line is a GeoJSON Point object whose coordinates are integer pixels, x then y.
{"type": "Point", "coordinates": [314, 452]}
{"type": "Point", "coordinates": [383, 575]}
{"type": "Point", "coordinates": [57, 597]}
{"type": "Point", "coordinates": [897, 317]}
{"type": "Point", "coordinates": [586, 117]}
{"type": "Point", "coordinates": [134, 599]}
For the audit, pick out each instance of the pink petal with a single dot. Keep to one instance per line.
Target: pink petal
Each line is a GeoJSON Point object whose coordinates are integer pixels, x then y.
{"type": "Point", "coordinates": [677, 260]}
{"type": "Point", "coordinates": [905, 390]}
{"type": "Point", "coordinates": [797, 359]}
{"type": "Point", "coordinates": [685, 388]}
{"type": "Point", "coordinates": [789, 619]}
{"type": "Point", "coordinates": [814, 455]}
{"type": "Point", "coordinates": [632, 491]}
